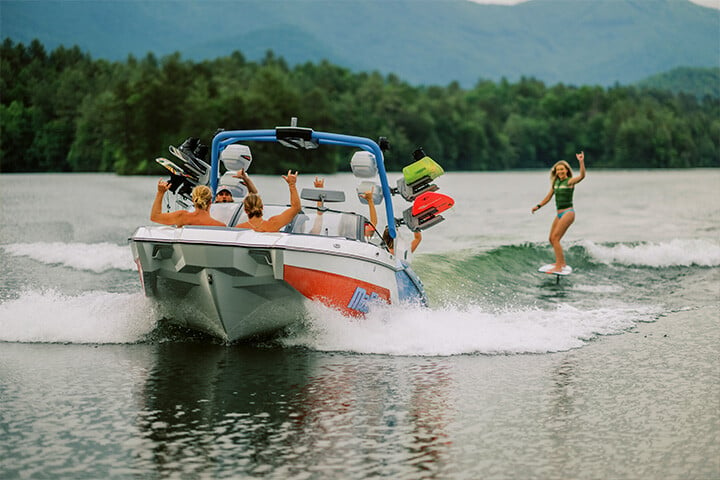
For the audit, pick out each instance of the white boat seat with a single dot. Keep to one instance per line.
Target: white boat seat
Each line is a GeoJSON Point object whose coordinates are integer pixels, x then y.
{"type": "Point", "coordinates": [328, 223]}
{"type": "Point", "coordinates": [224, 211]}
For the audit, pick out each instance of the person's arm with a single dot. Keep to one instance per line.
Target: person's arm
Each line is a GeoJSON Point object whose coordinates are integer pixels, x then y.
{"type": "Point", "coordinates": [416, 241]}
{"type": "Point", "coordinates": [156, 213]}
{"type": "Point", "coordinates": [371, 206]}
{"type": "Point", "coordinates": [242, 175]}
{"type": "Point", "coordinates": [317, 224]}
{"type": "Point", "coordinates": [319, 183]}
{"type": "Point", "coordinates": [279, 221]}
{"type": "Point", "coordinates": [581, 158]}
{"type": "Point", "coordinates": [544, 200]}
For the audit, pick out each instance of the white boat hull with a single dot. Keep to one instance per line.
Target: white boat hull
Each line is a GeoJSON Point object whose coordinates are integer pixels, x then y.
{"type": "Point", "coordinates": [238, 284]}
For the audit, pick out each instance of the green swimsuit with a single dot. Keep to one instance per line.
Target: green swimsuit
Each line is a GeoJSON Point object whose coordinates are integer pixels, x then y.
{"type": "Point", "coordinates": [563, 194]}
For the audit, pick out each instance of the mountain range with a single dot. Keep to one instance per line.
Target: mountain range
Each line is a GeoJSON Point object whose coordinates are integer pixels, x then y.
{"type": "Point", "coordinates": [430, 42]}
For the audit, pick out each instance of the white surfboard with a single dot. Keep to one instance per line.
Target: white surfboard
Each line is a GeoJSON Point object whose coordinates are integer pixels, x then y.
{"type": "Point", "coordinates": [567, 269]}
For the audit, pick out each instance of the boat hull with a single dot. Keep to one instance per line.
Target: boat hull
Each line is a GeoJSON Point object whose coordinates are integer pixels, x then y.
{"type": "Point", "coordinates": [239, 284]}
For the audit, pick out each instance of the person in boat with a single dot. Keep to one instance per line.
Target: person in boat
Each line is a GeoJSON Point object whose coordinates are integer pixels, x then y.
{"type": "Point", "coordinates": [370, 227]}
{"type": "Point", "coordinates": [254, 209]}
{"type": "Point", "coordinates": [562, 185]}
{"type": "Point", "coordinates": [317, 224]}
{"type": "Point", "coordinates": [390, 242]}
{"type": "Point", "coordinates": [224, 195]}
{"type": "Point", "coordinates": [201, 197]}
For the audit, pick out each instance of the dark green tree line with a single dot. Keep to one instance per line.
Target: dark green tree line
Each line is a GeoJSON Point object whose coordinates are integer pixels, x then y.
{"type": "Point", "coordinates": [62, 111]}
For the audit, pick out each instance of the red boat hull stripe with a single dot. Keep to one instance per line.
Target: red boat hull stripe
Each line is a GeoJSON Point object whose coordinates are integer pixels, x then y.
{"type": "Point", "coordinates": [349, 295]}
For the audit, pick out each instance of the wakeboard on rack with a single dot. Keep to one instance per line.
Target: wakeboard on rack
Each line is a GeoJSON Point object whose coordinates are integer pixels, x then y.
{"type": "Point", "coordinates": [181, 183]}
{"type": "Point", "coordinates": [174, 168]}
{"type": "Point", "coordinates": [192, 164]}
{"type": "Point", "coordinates": [191, 170]}
{"type": "Point", "coordinates": [426, 209]}
{"type": "Point", "coordinates": [415, 186]}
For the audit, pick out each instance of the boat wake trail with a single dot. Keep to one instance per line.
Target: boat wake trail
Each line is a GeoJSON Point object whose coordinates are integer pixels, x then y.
{"type": "Point", "coordinates": [695, 252]}
{"type": "Point", "coordinates": [494, 302]}
{"type": "Point", "coordinates": [632, 272]}
{"type": "Point", "coordinates": [94, 257]}
{"type": "Point", "coordinates": [417, 331]}
{"type": "Point", "coordinates": [92, 317]}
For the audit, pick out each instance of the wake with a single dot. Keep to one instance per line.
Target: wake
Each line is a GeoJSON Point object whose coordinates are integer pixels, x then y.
{"type": "Point", "coordinates": [417, 331]}
{"type": "Point", "coordinates": [93, 257]}
{"type": "Point", "coordinates": [693, 252]}
{"type": "Point", "coordinates": [92, 317]}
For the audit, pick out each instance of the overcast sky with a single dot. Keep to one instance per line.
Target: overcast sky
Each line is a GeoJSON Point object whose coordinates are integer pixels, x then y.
{"type": "Point", "coordinates": [704, 3]}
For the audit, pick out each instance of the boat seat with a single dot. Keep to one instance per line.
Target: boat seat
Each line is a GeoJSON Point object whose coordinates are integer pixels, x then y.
{"type": "Point", "coordinates": [328, 223]}
{"type": "Point", "coordinates": [224, 211]}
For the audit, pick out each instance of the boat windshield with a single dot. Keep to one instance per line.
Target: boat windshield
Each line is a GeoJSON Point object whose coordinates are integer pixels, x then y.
{"type": "Point", "coordinates": [224, 211]}
{"type": "Point", "coordinates": [330, 224]}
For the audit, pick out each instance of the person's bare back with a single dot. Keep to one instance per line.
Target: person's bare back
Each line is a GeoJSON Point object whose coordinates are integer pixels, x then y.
{"type": "Point", "coordinates": [201, 197]}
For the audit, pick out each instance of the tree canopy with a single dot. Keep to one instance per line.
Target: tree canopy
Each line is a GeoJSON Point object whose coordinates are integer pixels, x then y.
{"type": "Point", "coordinates": [65, 112]}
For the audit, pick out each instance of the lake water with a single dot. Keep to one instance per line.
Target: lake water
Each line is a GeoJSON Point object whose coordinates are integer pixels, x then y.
{"type": "Point", "coordinates": [613, 373]}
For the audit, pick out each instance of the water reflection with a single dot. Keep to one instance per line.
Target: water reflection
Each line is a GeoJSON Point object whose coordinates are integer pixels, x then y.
{"type": "Point", "coordinates": [284, 413]}
{"type": "Point", "coordinates": [551, 290]}
{"type": "Point", "coordinates": [431, 412]}
{"type": "Point", "coordinates": [382, 419]}
{"type": "Point", "coordinates": [562, 417]}
{"type": "Point", "coordinates": [214, 406]}
{"type": "Point", "coordinates": [561, 393]}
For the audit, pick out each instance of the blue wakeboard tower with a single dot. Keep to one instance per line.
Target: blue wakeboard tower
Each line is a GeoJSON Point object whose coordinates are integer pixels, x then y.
{"type": "Point", "coordinates": [303, 138]}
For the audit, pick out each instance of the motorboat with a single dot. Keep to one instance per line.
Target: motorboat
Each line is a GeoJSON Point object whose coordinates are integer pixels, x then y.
{"type": "Point", "coordinates": [237, 284]}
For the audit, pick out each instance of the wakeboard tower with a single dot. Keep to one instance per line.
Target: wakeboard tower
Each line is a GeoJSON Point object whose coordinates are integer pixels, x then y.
{"type": "Point", "coordinates": [415, 185]}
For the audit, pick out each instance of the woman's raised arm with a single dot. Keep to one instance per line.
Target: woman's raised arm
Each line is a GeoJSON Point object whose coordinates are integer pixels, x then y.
{"type": "Point", "coordinates": [581, 158]}
{"type": "Point", "coordinates": [279, 221]}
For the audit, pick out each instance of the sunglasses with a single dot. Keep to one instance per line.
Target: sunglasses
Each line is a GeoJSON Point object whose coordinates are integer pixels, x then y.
{"type": "Point", "coordinates": [224, 192]}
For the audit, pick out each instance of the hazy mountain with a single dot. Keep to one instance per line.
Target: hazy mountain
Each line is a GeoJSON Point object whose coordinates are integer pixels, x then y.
{"type": "Point", "coordinates": [422, 41]}
{"type": "Point", "coordinates": [700, 82]}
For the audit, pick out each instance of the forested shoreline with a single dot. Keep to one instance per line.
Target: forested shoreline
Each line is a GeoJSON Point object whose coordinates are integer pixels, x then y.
{"type": "Point", "coordinates": [62, 111]}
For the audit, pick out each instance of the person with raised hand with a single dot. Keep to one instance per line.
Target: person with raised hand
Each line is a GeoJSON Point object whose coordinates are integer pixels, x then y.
{"type": "Point", "coordinates": [201, 198]}
{"type": "Point", "coordinates": [562, 186]}
{"type": "Point", "coordinates": [253, 206]}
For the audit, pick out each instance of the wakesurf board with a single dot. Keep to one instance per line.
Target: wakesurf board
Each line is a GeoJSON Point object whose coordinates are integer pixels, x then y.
{"type": "Point", "coordinates": [567, 270]}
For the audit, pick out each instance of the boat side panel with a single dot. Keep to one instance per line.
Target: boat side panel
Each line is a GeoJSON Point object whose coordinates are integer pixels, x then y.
{"type": "Point", "coordinates": [346, 294]}
{"type": "Point", "coordinates": [410, 288]}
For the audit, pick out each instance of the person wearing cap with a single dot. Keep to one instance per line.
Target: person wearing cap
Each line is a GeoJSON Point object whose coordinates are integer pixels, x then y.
{"type": "Point", "coordinates": [224, 195]}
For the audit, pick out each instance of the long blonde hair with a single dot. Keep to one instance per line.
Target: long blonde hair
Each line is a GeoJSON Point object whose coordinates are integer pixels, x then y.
{"type": "Point", "coordinates": [553, 173]}
{"type": "Point", "coordinates": [253, 205]}
{"type": "Point", "coordinates": [202, 197]}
